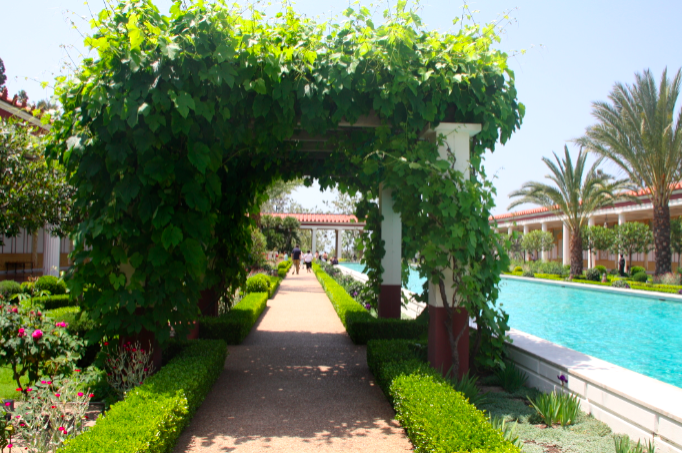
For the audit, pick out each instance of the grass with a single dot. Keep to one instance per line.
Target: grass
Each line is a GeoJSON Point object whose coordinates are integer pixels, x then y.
{"type": "Point", "coordinates": [587, 435]}
{"type": "Point", "coordinates": [8, 388]}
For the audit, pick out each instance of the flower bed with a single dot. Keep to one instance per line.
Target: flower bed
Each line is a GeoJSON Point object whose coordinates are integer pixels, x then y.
{"type": "Point", "coordinates": [153, 415]}
{"type": "Point", "coordinates": [235, 325]}
{"type": "Point", "coordinates": [359, 323]}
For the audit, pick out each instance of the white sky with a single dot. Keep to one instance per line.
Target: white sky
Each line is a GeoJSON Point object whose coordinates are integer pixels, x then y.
{"type": "Point", "coordinates": [576, 51]}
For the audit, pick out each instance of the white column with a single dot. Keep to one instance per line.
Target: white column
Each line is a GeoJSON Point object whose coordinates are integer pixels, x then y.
{"type": "Point", "coordinates": [392, 235]}
{"type": "Point", "coordinates": [544, 253]}
{"type": "Point", "coordinates": [457, 140]}
{"type": "Point", "coordinates": [525, 232]}
{"type": "Point", "coordinates": [50, 253]}
{"type": "Point", "coordinates": [314, 240]}
{"type": "Point", "coordinates": [590, 255]}
{"type": "Point", "coordinates": [566, 246]}
{"type": "Point", "coordinates": [339, 243]}
{"type": "Point", "coordinates": [621, 220]}
{"type": "Point", "coordinates": [510, 230]}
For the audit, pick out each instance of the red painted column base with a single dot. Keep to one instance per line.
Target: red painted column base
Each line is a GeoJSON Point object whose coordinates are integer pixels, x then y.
{"type": "Point", "coordinates": [389, 301]}
{"type": "Point", "coordinates": [440, 356]}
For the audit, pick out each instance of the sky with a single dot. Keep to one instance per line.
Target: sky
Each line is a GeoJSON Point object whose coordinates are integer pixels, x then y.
{"type": "Point", "coordinates": [574, 53]}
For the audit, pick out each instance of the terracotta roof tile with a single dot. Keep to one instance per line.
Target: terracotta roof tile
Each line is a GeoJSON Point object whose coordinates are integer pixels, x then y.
{"type": "Point", "coordinates": [317, 218]}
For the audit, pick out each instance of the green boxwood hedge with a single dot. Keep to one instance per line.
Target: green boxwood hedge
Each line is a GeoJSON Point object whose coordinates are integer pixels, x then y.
{"type": "Point", "coordinates": [52, 302]}
{"type": "Point", "coordinates": [9, 287]}
{"type": "Point", "coordinates": [54, 285]}
{"type": "Point", "coordinates": [274, 284]}
{"type": "Point", "coordinates": [235, 325]}
{"type": "Point", "coordinates": [153, 415]}
{"type": "Point", "coordinates": [360, 325]}
{"type": "Point", "coordinates": [435, 417]}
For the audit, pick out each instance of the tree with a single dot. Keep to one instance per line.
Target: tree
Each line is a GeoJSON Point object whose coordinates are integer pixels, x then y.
{"type": "Point", "coordinates": [632, 237]}
{"type": "Point", "coordinates": [576, 194]}
{"type": "Point", "coordinates": [536, 241]}
{"type": "Point", "coordinates": [515, 246]}
{"type": "Point", "coordinates": [637, 130]}
{"type": "Point", "coordinates": [3, 76]}
{"type": "Point", "coordinates": [676, 238]}
{"type": "Point", "coordinates": [280, 233]}
{"type": "Point", "coordinates": [597, 238]}
{"type": "Point", "coordinates": [22, 96]}
{"type": "Point", "coordinates": [279, 196]}
{"type": "Point", "coordinates": [33, 192]}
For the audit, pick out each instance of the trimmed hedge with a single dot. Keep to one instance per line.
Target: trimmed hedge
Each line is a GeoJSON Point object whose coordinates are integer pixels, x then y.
{"type": "Point", "coordinates": [8, 288]}
{"type": "Point", "coordinates": [153, 415]}
{"type": "Point", "coordinates": [54, 285]}
{"type": "Point", "coordinates": [360, 325]}
{"type": "Point", "coordinates": [259, 283]}
{"type": "Point", "coordinates": [235, 325]}
{"type": "Point", "coordinates": [52, 302]}
{"type": "Point", "coordinates": [286, 265]}
{"type": "Point", "coordinates": [435, 417]}
{"type": "Point", "coordinates": [274, 284]}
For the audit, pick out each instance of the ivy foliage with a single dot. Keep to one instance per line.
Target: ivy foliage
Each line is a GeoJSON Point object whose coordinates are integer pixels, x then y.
{"type": "Point", "coordinates": [174, 133]}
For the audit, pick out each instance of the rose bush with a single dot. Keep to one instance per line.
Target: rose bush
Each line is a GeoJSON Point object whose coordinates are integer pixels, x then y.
{"type": "Point", "coordinates": [34, 346]}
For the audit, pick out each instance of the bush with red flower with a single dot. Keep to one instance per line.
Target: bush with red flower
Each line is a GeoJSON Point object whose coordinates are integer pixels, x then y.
{"type": "Point", "coordinates": [34, 346]}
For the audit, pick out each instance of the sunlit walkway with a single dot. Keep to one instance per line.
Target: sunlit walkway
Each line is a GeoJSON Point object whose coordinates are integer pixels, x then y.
{"type": "Point", "coordinates": [297, 384]}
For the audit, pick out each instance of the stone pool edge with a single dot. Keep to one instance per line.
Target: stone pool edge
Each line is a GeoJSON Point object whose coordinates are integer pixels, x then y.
{"type": "Point", "coordinates": [587, 287]}
{"type": "Point", "coordinates": [629, 402]}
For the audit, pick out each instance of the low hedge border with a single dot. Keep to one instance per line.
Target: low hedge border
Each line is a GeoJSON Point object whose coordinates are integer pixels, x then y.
{"type": "Point", "coordinates": [235, 325]}
{"type": "Point", "coordinates": [669, 289]}
{"type": "Point", "coordinates": [435, 417]}
{"type": "Point", "coordinates": [153, 415]}
{"type": "Point", "coordinates": [274, 285]}
{"type": "Point", "coordinates": [52, 302]}
{"type": "Point", "coordinates": [360, 325]}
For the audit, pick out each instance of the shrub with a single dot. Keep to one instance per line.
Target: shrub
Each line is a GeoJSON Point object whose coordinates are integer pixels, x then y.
{"type": "Point", "coordinates": [528, 274]}
{"type": "Point", "coordinates": [640, 277]}
{"type": "Point", "coordinates": [258, 283]}
{"type": "Point", "coordinates": [153, 415]}
{"type": "Point", "coordinates": [281, 272]}
{"type": "Point", "coordinates": [510, 377]}
{"type": "Point", "coordinates": [52, 302]}
{"type": "Point", "coordinates": [8, 288]}
{"type": "Point", "coordinates": [274, 284]}
{"type": "Point", "coordinates": [360, 325]}
{"type": "Point", "coordinates": [54, 285]}
{"type": "Point", "coordinates": [593, 275]}
{"type": "Point", "coordinates": [518, 269]}
{"type": "Point", "coordinates": [670, 279]}
{"type": "Point", "coordinates": [601, 269]}
{"type": "Point", "coordinates": [235, 325]}
{"type": "Point", "coordinates": [286, 265]}
{"type": "Point", "coordinates": [27, 287]}
{"type": "Point", "coordinates": [636, 270]}
{"type": "Point", "coordinates": [620, 284]}
{"type": "Point", "coordinates": [547, 267]}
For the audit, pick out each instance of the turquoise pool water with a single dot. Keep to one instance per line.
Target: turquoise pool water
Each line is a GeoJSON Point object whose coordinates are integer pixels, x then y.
{"type": "Point", "coordinates": [414, 284]}
{"type": "Point", "coordinates": [641, 334]}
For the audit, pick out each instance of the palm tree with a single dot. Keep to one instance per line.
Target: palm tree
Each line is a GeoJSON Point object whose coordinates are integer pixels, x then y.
{"type": "Point", "coordinates": [576, 194]}
{"type": "Point", "coordinates": [638, 132]}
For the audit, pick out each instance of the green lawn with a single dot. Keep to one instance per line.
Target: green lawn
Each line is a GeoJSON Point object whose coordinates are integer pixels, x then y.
{"type": "Point", "coordinates": [8, 388]}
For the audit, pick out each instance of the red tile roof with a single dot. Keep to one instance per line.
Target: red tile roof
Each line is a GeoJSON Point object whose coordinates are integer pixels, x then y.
{"type": "Point", "coordinates": [318, 218]}
{"type": "Point", "coordinates": [506, 215]}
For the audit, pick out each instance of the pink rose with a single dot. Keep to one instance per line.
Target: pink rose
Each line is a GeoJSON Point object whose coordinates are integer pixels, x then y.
{"type": "Point", "coordinates": [37, 334]}
{"type": "Point", "coordinates": [80, 393]}
{"type": "Point", "coordinates": [14, 310]}
{"type": "Point", "coordinates": [22, 332]}
{"type": "Point", "coordinates": [57, 395]}
{"type": "Point", "coordinates": [61, 324]}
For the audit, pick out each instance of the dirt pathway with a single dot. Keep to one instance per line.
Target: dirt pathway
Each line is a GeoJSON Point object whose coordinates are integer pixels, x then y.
{"type": "Point", "coordinates": [297, 384]}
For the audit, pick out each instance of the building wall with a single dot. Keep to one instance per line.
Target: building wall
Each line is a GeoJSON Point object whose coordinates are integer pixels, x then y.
{"type": "Point", "coordinates": [19, 249]}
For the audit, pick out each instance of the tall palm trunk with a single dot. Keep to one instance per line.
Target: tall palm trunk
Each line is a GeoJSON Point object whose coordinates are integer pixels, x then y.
{"type": "Point", "coordinates": [662, 238]}
{"type": "Point", "coordinates": [576, 246]}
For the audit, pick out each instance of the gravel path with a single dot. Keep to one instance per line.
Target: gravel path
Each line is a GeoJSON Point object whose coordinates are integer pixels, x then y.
{"type": "Point", "coordinates": [297, 384]}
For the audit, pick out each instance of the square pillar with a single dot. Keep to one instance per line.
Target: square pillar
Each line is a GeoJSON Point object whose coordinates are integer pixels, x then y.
{"type": "Point", "coordinates": [457, 140]}
{"type": "Point", "coordinates": [590, 256]}
{"type": "Point", "coordinates": [50, 253]}
{"type": "Point", "coordinates": [392, 236]}
{"type": "Point", "coordinates": [314, 240]}
{"type": "Point", "coordinates": [566, 246]}
{"type": "Point", "coordinates": [544, 252]}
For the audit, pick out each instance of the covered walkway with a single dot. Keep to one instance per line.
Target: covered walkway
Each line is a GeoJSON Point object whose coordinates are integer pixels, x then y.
{"type": "Point", "coordinates": [297, 384]}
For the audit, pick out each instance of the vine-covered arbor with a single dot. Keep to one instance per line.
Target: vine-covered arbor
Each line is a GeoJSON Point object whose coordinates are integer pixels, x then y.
{"type": "Point", "coordinates": [174, 132]}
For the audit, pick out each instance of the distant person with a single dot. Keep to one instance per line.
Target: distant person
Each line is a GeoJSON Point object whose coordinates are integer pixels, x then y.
{"type": "Point", "coordinates": [317, 256]}
{"type": "Point", "coordinates": [355, 257]}
{"type": "Point", "coordinates": [334, 261]}
{"type": "Point", "coordinates": [296, 256]}
{"type": "Point", "coordinates": [325, 257]}
{"type": "Point", "coordinates": [621, 265]}
{"type": "Point", "coordinates": [308, 259]}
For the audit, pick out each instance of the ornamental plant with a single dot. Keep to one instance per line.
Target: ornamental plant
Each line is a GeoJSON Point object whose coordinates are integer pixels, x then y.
{"type": "Point", "coordinates": [51, 413]}
{"type": "Point", "coordinates": [34, 346]}
{"type": "Point", "coordinates": [128, 366]}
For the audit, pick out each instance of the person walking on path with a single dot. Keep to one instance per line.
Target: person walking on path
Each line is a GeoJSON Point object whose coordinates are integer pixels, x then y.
{"type": "Point", "coordinates": [296, 256]}
{"type": "Point", "coordinates": [308, 259]}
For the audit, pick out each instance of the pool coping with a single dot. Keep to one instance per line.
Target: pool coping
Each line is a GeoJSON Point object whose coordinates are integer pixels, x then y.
{"type": "Point", "coordinates": [629, 402]}
{"type": "Point", "coordinates": [631, 292]}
